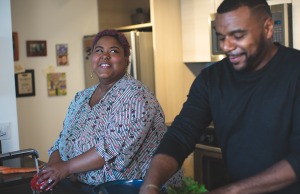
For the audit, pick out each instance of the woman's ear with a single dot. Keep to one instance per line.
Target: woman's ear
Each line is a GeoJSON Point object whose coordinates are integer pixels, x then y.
{"type": "Point", "coordinates": [127, 61]}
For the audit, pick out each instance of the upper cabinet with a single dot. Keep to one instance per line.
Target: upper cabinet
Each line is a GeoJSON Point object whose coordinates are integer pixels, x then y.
{"type": "Point", "coordinates": [274, 2]}
{"type": "Point", "coordinates": [118, 13]}
{"type": "Point", "coordinates": [195, 29]}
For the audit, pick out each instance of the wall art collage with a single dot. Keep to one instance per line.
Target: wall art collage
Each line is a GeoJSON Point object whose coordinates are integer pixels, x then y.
{"type": "Point", "coordinates": [24, 78]}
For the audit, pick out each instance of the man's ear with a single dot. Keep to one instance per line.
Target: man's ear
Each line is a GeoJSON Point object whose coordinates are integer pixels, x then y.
{"type": "Point", "coordinates": [269, 28]}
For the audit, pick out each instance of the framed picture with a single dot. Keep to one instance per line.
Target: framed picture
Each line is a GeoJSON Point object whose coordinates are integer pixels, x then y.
{"type": "Point", "coordinates": [62, 54]}
{"type": "Point", "coordinates": [57, 84]}
{"type": "Point", "coordinates": [25, 83]}
{"type": "Point", "coordinates": [15, 46]}
{"type": "Point", "coordinates": [36, 48]}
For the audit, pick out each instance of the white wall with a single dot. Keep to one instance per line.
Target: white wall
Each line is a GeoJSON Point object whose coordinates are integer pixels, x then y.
{"type": "Point", "coordinates": [8, 110]}
{"type": "Point", "coordinates": [58, 22]}
{"type": "Point", "coordinates": [296, 20]}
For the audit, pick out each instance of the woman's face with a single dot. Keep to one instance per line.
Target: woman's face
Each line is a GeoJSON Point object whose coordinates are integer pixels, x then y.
{"type": "Point", "coordinates": [108, 61]}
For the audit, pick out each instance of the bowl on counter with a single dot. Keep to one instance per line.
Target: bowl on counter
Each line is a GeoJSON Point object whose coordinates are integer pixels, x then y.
{"type": "Point", "coordinates": [121, 186]}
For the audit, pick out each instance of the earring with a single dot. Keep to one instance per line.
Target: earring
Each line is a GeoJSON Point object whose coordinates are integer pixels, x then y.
{"type": "Point", "coordinates": [128, 75]}
{"type": "Point", "coordinates": [92, 74]}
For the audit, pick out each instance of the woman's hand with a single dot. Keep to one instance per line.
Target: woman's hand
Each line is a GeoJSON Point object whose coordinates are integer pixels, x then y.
{"type": "Point", "coordinates": [57, 170]}
{"type": "Point", "coordinates": [53, 174]}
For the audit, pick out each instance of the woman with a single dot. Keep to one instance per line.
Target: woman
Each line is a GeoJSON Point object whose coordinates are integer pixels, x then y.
{"type": "Point", "coordinates": [112, 129]}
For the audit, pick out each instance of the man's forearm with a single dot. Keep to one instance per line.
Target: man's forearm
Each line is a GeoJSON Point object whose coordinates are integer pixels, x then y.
{"type": "Point", "coordinates": [274, 178]}
{"type": "Point", "coordinates": [162, 168]}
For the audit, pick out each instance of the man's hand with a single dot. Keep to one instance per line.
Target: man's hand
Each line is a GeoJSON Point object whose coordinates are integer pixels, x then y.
{"type": "Point", "coordinates": [162, 168]}
{"type": "Point", "coordinates": [148, 191]}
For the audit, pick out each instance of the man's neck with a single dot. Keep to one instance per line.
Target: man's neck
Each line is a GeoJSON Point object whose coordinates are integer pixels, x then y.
{"type": "Point", "coordinates": [270, 51]}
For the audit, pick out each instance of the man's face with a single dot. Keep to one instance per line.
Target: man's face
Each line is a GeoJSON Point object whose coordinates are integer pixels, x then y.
{"type": "Point", "coordinates": [241, 38]}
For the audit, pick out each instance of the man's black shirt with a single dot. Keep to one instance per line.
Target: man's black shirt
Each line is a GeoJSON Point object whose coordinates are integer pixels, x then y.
{"type": "Point", "coordinates": [256, 116]}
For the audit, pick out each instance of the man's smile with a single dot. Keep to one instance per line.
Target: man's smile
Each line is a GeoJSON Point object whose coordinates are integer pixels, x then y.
{"type": "Point", "coordinates": [235, 58]}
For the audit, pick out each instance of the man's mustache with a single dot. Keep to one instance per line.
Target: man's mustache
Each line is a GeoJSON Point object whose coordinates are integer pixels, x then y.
{"type": "Point", "coordinates": [235, 54]}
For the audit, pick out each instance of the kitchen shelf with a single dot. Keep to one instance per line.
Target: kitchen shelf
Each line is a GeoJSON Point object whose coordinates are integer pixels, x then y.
{"type": "Point", "coordinates": [135, 27]}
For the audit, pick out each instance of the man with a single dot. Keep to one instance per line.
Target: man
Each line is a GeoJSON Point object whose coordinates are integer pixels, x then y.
{"type": "Point", "coordinates": [253, 97]}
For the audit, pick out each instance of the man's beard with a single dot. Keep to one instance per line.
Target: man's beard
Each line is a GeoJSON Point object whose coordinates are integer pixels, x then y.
{"type": "Point", "coordinates": [250, 60]}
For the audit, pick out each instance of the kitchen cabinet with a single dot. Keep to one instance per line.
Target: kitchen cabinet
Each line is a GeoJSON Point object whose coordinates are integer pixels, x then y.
{"type": "Point", "coordinates": [117, 13]}
{"type": "Point", "coordinates": [274, 2]}
{"type": "Point", "coordinates": [172, 78]}
{"type": "Point", "coordinates": [195, 29]}
{"type": "Point", "coordinates": [296, 26]}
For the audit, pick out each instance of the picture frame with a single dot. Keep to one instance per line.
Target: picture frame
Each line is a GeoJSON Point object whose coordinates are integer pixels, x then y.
{"type": "Point", "coordinates": [25, 85]}
{"type": "Point", "coordinates": [62, 58]}
{"type": "Point", "coordinates": [36, 48]}
{"type": "Point", "coordinates": [57, 84]}
{"type": "Point", "coordinates": [15, 41]}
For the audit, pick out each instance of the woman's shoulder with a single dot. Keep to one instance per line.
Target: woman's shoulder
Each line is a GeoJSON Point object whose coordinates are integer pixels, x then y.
{"type": "Point", "coordinates": [135, 91]}
{"type": "Point", "coordinates": [137, 86]}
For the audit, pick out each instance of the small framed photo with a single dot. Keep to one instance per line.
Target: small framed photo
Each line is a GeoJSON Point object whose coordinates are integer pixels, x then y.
{"type": "Point", "coordinates": [57, 84]}
{"type": "Point", "coordinates": [62, 54]}
{"type": "Point", "coordinates": [25, 83]}
{"type": "Point", "coordinates": [36, 48]}
{"type": "Point", "coordinates": [15, 46]}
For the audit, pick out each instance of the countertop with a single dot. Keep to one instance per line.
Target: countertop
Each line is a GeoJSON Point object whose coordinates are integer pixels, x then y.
{"type": "Point", "coordinates": [18, 178]}
{"type": "Point", "coordinates": [20, 183]}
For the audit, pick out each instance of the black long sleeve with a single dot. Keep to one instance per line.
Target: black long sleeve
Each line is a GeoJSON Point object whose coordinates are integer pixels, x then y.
{"type": "Point", "coordinates": [256, 116]}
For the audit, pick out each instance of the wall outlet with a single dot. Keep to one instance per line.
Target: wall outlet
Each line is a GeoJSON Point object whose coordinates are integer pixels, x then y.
{"type": "Point", "coordinates": [4, 131]}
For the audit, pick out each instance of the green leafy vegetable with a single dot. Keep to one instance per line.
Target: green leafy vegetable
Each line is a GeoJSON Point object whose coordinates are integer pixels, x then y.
{"type": "Point", "coordinates": [188, 186]}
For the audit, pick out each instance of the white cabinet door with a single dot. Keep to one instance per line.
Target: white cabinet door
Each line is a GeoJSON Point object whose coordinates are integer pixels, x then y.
{"type": "Point", "coordinates": [296, 27]}
{"type": "Point", "coordinates": [217, 3]}
{"type": "Point", "coordinates": [274, 2]}
{"type": "Point", "coordinates": [195, 29]}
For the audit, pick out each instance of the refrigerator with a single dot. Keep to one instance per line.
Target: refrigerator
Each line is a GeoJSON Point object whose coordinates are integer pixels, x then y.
{"type": "Point", "coordinates": [141, 65]}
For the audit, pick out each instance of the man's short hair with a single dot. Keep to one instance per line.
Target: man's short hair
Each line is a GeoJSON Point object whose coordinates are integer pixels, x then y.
{"type": "Point", "coordinates": [231, 5]}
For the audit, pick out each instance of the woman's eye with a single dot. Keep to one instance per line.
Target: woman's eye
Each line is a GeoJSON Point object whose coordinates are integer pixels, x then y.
{"type": "Point", "coordinates": [98, 50]}
{"type": "Point", "coordinates": [114, 51]}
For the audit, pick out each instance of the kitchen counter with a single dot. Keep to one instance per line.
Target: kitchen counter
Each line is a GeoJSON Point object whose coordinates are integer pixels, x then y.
{"type": "Point", "coordinates": [20, 183]}
{"type": "Point", "coordinates": [17, 178]}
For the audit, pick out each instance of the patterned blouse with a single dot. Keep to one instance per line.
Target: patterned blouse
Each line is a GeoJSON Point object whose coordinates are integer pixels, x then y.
{"type": "Point", "coordinates": [128, 123]}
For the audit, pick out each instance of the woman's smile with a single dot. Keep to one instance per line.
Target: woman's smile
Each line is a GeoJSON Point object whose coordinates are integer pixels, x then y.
{"type": "Point", "coordinates": [104, 65]}
{"type": "Point", "coordinates": [108, 61]}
